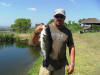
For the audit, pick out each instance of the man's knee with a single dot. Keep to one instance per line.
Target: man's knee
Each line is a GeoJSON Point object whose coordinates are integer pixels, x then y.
{"type": "Point", "coordinates": [44, 71]}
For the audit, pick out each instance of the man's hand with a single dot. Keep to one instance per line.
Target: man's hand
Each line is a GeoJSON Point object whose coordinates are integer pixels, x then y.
{"type": "Point", "coordinates": [70, 69]}
{"type": "Point", "coordinates": [38, 29]}
{"type": "Point", "coordinates": [35, 38]}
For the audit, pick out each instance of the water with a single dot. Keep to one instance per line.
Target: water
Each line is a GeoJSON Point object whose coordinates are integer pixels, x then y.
{"type": "Point", "coordinates": [17, 58]}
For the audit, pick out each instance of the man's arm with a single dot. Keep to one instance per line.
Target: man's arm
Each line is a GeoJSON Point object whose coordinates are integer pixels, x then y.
{"type": "Point", "coordinates": [35, 37]}
{"type": "Point", "coordinates": [72, 59]}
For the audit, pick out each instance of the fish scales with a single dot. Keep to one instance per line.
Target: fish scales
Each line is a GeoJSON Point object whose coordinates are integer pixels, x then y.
{"type": "Point", "coordinates": [46, 44]}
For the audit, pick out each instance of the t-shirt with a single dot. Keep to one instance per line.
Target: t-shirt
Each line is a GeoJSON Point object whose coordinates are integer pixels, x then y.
{"type": "Point", "coordinates": [60, 37]}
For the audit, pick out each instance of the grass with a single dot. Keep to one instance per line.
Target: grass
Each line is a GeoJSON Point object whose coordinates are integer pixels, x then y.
{"type": "Point", "coordinates": [87, 55]}
{"type": "Point", "coordinates": [9, 36]}
{"type": "Point", "coordinates": [36, 66]}
{"type": "Point", "coordinates": [5, 37]}
{"type": "Point", "coordinates": [23, 36]}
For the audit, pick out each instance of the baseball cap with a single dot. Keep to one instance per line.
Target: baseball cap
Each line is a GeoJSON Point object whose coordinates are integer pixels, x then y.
{"type": "Point", "coordinates": [60, 11]}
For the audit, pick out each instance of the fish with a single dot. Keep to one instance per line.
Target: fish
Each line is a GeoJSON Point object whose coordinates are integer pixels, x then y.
{"type": "Point", "coordinates": [45, 44]}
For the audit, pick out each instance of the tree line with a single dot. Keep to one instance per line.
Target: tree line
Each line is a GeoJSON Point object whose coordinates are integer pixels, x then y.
{"type": "Point", "coordinates": [23, 25]}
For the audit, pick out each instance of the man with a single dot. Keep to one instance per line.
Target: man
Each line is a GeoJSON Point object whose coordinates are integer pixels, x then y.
{"type": "Point", "coordinates": [60, 37]}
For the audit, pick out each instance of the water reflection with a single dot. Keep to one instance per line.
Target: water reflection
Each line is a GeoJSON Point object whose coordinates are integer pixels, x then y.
{"type": "Point", "coordinates": [6, 44]}
{"type": "Point", "coordinates": [21, 44]}
{"type": "Point", "coordinates": [34, 51]}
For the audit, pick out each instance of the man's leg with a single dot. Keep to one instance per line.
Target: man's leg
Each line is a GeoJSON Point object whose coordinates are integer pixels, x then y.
{"type": "Point", "coordinates": [44, 71]}
{"type": "Point", "coordinates": [59, 72]}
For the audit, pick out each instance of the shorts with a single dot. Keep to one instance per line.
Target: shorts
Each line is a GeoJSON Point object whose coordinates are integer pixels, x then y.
{"type": "Point", "coordinates": [44, 71]}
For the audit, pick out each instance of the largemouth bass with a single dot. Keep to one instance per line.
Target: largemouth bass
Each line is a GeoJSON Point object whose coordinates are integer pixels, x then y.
{"type": "Point", "coordinates": [46, 44]}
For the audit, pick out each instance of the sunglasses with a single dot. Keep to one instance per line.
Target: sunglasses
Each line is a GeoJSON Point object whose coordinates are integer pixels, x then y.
{"type": "Point", "coordinates": [59, 16]}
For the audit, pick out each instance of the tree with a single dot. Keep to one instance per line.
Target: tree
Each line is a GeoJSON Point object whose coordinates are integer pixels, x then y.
{"type": "Point", "coordinates": [80, 20]}
{"type": "Point", "coordinates": [73, 26]}
{"type": "Point", "coordinates": [69, 23]}
{"type": "Point", "coordinates": [50, 21]}
{"type": "Point", "coordinates": [21, 25]}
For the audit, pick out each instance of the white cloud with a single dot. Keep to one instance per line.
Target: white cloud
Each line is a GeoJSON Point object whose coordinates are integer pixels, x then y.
{"type": "Point", "coordinates": [32, 9]}
{"type": "Point", "coordinates": [5, 4]}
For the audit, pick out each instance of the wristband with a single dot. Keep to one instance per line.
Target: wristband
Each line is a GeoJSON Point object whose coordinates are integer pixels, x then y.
{"type": "Point", "coordinates": [72, 64]}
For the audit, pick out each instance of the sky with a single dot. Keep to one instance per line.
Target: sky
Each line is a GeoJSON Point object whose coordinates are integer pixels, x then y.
{"type": "Point", "coordinates": [41, 11]}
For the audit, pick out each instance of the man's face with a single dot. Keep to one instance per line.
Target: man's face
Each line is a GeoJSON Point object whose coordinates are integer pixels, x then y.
{"type": "Point", "coordinates": [59, 19]}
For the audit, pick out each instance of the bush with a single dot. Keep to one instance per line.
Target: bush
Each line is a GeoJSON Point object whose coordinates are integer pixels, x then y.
{"type": "Point", "coordinates": [73, 26]}
{"type": "Point", "coordinates": [6, 37]}
{"type": "Point", "coordinates": [96, 27]}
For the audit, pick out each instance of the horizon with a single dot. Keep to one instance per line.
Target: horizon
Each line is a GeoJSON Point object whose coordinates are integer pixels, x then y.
{"type": "Point", "coordinates": [42, 11]}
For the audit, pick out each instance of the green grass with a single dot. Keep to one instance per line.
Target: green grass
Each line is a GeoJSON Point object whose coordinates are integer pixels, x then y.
{"type": "Point", "coordinates": [36, 66]}
{"type": "Point", "coordinates": [87, 47]}
{"type": "Point", "coordinates": [5, 37]}
{"type": "Point", "coordinates": [87, 53]}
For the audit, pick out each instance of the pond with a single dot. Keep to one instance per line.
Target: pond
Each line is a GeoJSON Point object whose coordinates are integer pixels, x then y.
{"type": "Point", "coordinates": [17, 58]}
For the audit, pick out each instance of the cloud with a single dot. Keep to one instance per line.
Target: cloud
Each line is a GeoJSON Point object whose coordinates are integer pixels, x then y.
{"type": "Point", "coordinates": [5, 4]}
{"type": "Point", "coordinates": [32, 9]}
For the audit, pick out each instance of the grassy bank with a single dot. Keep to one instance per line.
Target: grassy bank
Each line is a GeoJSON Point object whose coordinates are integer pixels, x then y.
{"type": "Point", "coordinates": [23, 36]}
{"type": "Point", "coordinates": [36, 66]}
{"type": "Point", "coordinates": [6, 37]}
{"type": "Point", "coordinates": [87, 55]}
{"type": "Point", "coordinates": [13, 36]}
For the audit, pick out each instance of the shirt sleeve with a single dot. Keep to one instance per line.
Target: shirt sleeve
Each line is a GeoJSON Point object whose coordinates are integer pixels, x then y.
{"type": "Point", "coordinates": [70, 41]}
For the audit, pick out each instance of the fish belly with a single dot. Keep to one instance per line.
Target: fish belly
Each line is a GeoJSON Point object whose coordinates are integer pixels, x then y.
{"type": "Point", "coordinates": [42, 44]}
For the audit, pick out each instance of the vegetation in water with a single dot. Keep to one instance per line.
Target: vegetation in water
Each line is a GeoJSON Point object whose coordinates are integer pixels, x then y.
{"type": "Point", "coordinates": [6, 37]}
